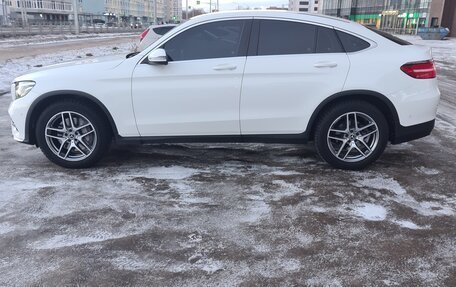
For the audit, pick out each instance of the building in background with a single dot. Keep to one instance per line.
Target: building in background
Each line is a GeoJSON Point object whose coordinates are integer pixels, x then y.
{"type": "Point", "coordinates": [132, 12]}
{"type": "Point", "coordinates": [310, 6]}
{"type": "Point", "coordinates": [108, 12]}
{"type": "Point", "coordinates": [36, 11]}
{"type": "Point", "coordinates": [176, 11]}
{"type": "Point", "coordinates": [93, 12]}
{"type": "Point", "coordinates": [399, 16]}
{"type": "Point", "coordinates": [4, 13]}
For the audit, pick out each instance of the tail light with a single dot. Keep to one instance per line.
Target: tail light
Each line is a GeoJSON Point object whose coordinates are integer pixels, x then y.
{"type": "Point", "coordinates": [143, 34]}
{"type": "Point", "coordinates": [420, 70]}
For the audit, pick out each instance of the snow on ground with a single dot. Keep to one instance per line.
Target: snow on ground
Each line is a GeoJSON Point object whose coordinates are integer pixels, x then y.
{"type": "Point", "coordinates": [229, 214]}
{"type": "Point", "coordinates": [370, 211]}
{"type": "Point", "coordinates": [52, 39]}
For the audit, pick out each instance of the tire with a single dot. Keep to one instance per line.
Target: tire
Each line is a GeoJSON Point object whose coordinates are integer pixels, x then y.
{"type": "Point", "coordinates": [351, 147]}
{"type": "Point", "coordinates": [72, 135]}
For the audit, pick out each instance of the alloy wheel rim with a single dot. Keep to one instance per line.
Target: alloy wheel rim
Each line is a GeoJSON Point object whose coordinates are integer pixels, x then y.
{"type": "Point", "coordinates": [70, 136]}
{"type": "Point", "coordinates": [353, 137]}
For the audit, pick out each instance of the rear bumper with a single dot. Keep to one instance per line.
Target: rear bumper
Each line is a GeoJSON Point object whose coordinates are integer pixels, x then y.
{"type": "Point", "coordinates": [405, 134]}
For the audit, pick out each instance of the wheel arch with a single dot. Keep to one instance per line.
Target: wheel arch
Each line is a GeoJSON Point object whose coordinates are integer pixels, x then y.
{"type": "Point", "coordinates": [375, 98]}
{"type": "Point", "coordinates": [46, 99]}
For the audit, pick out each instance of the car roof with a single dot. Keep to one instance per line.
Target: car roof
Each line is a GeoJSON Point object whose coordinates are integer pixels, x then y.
{"type": "Point", "coordinates": [271, 13]}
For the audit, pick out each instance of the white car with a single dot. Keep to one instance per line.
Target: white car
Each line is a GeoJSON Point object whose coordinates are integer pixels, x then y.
{"type": "Point", "coordinates": [152, 34]}
{"type": "Point", "coordinates": [253, 76]}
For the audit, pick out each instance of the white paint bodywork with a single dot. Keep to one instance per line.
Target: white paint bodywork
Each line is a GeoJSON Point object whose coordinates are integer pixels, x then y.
{"type": "Point", "coordinates": [296, 85]}
{"type": "Point", "coordinates": [198, 97]}
{"type": "Point", "coordinates": [249, 95]}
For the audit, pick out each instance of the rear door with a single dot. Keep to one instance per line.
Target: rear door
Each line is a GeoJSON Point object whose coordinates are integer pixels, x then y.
{"type": "Point", "coordinates": [291, 68]}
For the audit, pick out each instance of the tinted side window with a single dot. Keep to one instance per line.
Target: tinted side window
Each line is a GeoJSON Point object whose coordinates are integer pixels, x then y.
{"type": "Point", "coordinates": [327, 41]}
{"type": "Point", "coordinates": [285, 37]}
{"type": "Point", "coordinates": [213, 40]}
{"type": "Point", "coordinates": [352, 43]}
{"type": "Point", "coordinates": [162, 30]}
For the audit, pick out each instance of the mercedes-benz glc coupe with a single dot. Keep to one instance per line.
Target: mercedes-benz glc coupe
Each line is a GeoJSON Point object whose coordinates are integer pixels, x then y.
{"type": "Point", "coordinates": [253, 76]}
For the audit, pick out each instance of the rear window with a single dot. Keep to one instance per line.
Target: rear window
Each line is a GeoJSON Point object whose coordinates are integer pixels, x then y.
{"type": "Point", "coordinates": [390, 37]}
{"type": "Point", "coordinates": [162, 30]}
{"type": "Point", "coordinates": [352, 43]}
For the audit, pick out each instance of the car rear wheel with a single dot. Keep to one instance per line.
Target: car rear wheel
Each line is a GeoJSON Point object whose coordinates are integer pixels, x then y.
{"type": "Point", "coordinates": [351, 135]}
{"type": "Point", "coordinates": [72, 135]}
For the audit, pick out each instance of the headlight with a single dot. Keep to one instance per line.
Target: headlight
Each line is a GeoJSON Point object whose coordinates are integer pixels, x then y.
{"type": "Point", "coordinates": [23, 88]}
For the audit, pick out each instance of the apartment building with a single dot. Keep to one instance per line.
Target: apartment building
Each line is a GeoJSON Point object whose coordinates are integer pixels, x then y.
{"type": "Point", "coordinates": [142, 11]}
{"type": "Point", "coordinates": [26, 11]}
{"type": "Point", "coordinates": [112, 12]}
{"type": "Point", "coordinates": [176, 13]}
{"type": "Point", "coordinates": [4, 12]}
{"type": "Point", "coordinates": [310, 6]}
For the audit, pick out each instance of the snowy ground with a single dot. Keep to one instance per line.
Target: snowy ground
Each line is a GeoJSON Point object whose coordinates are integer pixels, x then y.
{"type": "Point", "coordinates": [51, 39]}
{"type": "Point", "coordinates": [230, 214]}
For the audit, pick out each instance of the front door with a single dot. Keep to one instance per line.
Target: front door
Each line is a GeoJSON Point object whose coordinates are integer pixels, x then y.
{"type": "Point", "coordinates": [198, 91]}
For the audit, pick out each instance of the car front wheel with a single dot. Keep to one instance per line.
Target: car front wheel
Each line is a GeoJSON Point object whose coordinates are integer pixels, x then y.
{"type": "Point", "coordinates": [72, 135]}
{"type": "Point", "coordinates": [351, 135]}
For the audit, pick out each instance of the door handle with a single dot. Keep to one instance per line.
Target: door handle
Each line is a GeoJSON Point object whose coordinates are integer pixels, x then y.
{"type": "Point", "coordinates": [325, 65]}
{"type": "Point", "coordinates": [225, 67]}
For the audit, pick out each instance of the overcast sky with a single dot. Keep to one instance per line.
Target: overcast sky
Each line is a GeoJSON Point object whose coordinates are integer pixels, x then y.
{"type": "Point", "coordinates": [233, 4]}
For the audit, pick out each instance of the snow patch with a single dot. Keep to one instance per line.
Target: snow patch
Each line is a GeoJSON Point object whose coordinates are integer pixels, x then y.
{"type": "Point", "coordinates": [60, 241]}
{"type": "Point", "coordinates": [427, 171]}
{"type": "Point", "coordinates": [436, 208]}
{"type": "Point", "coordinates": [209, 265]}
{"type": "Point", "coordinates": [131, 262]}
{"type": "Point", "coordinates": [276, 267]}
{"type": "Point", "coordinates": [370, 212]}
{"type": "Point", "coordinates": [256, 211]}
{"type": "Point", "coordinates": [385, 183]}
{"type": "Point", "coordinates": [285, 172]}
{"type": "Point", "coordinates": [304, 239]}
{"type": "Point", "coordinates": [64, 240]}
{"type": "Point", "coordinates": [6, 228]}
{"type": "Point", "coordinates": [408, 224]}
{"type": "Point", "coordinates": [289, 189]}
{"type": "Point", "coordinates": [322, 280]}
{"type": "Point", "coordinates": [172, 172]}
{"type": "Point", "coordinates": [318, 209]}
{"type": "Point", "coordinates": [187, 194]}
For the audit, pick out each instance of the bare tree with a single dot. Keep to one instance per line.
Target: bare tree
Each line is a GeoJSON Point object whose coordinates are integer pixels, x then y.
{"type": "Point", "coordinates": [192, 13]}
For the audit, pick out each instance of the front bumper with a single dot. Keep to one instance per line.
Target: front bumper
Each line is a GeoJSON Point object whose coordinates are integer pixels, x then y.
{"type": "Point", "coordinates": [18, 113]}
{"type": "Point", "coordinates": [16, 134]}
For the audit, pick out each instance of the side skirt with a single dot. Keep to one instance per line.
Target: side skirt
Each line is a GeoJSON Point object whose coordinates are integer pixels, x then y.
{"type": "Point", "coordinates": [283, 139]}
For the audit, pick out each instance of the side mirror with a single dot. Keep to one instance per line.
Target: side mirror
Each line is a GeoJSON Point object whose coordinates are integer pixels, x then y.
{"type": "Point", "coordinates": [157, 57]}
